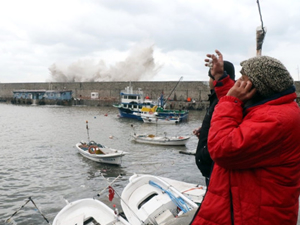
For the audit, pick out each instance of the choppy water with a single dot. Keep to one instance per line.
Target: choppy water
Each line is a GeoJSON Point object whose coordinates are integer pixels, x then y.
{"type": "Point", "coordinates": [39, 159]}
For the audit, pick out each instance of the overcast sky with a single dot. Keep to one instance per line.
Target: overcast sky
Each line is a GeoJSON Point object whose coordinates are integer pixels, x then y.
{"type": "Point", "coordinates": [155, 40]}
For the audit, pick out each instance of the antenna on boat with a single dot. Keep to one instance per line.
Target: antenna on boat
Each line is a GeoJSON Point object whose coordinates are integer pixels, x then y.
{"type": "Point", "coordinates": [87, 129]}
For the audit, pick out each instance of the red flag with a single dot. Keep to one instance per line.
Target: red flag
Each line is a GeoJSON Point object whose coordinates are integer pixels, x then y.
{"type": "Point", "coordinates": [111, 192]}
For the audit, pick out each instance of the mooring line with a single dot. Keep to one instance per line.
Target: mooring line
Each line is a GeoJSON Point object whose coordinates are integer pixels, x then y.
{"type": "Point", "coordinates": [29, 200]}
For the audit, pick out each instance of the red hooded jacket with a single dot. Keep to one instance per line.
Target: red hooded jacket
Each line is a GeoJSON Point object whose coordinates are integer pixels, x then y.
{"type": "Point", "coordinates": [256, 176]}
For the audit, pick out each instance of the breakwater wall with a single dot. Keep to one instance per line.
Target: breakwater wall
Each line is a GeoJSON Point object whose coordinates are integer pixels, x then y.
{"type": "Point", "coordinates": [108, 93]}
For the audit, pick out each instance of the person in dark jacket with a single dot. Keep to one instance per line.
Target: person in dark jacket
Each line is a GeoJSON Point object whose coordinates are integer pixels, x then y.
{"type": "Point", "coordinates": [203, 159]}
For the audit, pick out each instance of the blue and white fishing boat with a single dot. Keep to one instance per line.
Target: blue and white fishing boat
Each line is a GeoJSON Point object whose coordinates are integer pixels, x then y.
{"type": "Point", "coordinates": [132, 102]}
{"type": "Point", "coordinates": [135, 103]}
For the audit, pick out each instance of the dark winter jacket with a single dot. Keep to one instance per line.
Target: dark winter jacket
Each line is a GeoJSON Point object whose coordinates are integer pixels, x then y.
{"type": "Point", "coordinates": [203, 159]}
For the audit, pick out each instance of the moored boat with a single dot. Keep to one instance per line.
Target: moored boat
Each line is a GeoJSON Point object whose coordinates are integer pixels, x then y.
{"type": "Point", "coordinates": [132, 102]}
{"type": "Point", "coordinates": [181, 114]}
{"type": "Point", "coordinates": [160, 140]}
{"type": "Point", "coordinates": [100, 153]}
{"type": "Point", "coordinates": [150, 115]}
{"type": "Point", "coordinates": [160, 120]}
{"type": "Point", "coordinates": [149, 199]}
{"type": "Point", "coordinates": [88, 211]}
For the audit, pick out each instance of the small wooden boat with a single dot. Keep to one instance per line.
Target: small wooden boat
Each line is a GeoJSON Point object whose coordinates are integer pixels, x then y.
{"type": "Point", "coordinates": [160, 140]}
{"type": "Point", "coordinates": [100, 153]}
{"type": "Point", "coordinates": [88, 211]}
{"type": "Point", "coordinates": [149, 199]}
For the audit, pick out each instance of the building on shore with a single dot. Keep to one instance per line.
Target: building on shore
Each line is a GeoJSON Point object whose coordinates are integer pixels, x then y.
{"type": "Point", "coordinates": [42, 97]}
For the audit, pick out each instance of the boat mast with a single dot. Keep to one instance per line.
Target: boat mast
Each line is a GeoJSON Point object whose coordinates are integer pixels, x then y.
{"type": "Point", "coordinates": [163, 103]}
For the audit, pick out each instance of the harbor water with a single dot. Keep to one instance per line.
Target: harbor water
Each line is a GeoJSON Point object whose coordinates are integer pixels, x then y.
{"type": "Point", "coordinates": [39, 159]}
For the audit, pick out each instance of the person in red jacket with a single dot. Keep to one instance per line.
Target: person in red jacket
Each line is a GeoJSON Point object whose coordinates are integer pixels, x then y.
{"type": "Point", "coordinates": [255, 144]}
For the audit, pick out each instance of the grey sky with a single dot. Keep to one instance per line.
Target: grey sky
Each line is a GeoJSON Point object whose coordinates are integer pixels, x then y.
{"type": "Point", "coordinates": [82, 40]}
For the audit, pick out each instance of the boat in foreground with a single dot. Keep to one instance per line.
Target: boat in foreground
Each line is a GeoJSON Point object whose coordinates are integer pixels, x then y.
{"type": "Point", "coordinates": [194, 192]}
{"type": "Point", "coordinates": [88, 211]}
{"type": "Point", "coordinates": [149, 199]}
{"type": "Point", "coordinates": [160, 140]}
{"type": "Point", "coordinates": [100, 153]}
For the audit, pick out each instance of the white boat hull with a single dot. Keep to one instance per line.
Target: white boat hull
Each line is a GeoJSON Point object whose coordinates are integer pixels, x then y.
{"type": "Point", "coordinates": [161, 140]}
{"type": "Point", "coordinates": [84, 210]}
{"type": "Point", "coordinates": [195, 192]}
{"type": "Point", "coordinates": [154, 120]}
{"type": "Point", "coordinates": [111, 156]}
{"type": "Point", "coordinates": [149, 199]}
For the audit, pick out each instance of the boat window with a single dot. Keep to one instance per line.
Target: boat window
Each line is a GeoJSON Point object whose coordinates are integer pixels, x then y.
{"type": "Point", "coordinates": [146, 200]}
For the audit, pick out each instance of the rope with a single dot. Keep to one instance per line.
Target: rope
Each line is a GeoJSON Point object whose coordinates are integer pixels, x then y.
{"type": "Point", "coordinates": [38, 210]}
{"type": "Point", "coordinates": [6, 221]}
{"type": "Point", "coordinates": [178, 201]}
{"type": "Point", "coordinates": [29, 199]}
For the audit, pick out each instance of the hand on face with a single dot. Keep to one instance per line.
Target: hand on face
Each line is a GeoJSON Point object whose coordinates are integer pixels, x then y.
{"type": "Point", "coordinates": [242, 90]}
{"type": "Point", "coordinates": [216, 64]}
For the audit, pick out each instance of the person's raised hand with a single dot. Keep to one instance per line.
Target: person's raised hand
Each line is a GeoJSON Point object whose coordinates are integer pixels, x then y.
{"type": "Point", "coordinates": [216, 64]}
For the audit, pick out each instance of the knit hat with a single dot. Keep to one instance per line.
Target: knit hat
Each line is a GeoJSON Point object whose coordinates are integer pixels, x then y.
{"type": "Point", "coordinates": [268, 75]}
{"type": "Point", "coordinates": [229, 68]}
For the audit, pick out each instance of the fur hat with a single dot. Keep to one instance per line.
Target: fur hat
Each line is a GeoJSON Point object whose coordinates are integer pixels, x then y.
{"type": "Point", "coordinates": [268, 75]}
{"type": "Point", "coordinates": [229, 68]}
